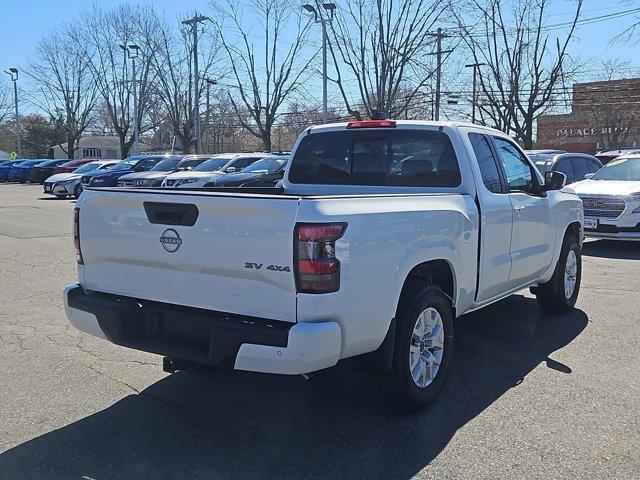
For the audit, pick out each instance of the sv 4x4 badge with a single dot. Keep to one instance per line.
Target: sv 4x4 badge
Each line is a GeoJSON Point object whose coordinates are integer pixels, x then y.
{"type": "Point", "coordinates": [274, 268]}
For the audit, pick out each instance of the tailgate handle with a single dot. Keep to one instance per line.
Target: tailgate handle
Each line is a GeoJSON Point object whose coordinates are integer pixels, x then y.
{"type": "Point", "coordinates": [171, 213]}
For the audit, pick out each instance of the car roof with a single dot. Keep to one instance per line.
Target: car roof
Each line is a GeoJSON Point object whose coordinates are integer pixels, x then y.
{"type": "Point", "coordinates": [623, 151]}
{"type": "Point", "coordinates": [545, 151]}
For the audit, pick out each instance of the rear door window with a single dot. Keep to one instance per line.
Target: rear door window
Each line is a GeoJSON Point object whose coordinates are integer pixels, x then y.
{"type": "Point", "coordinates": [385, 157]}
{"type": "Point", "coordinates": [565, 166]}
{"type": "Point", "coordinates": [580, 168]}
{"type": "Point", "coordinates": [487, 162]}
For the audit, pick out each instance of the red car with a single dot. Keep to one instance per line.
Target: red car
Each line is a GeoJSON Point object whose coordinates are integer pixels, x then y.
{"type": "Point", "coordinates": [71, 165]}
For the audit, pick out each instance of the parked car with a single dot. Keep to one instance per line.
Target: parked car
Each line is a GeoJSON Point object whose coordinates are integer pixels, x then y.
{"type": "Point", "coordinates": [155, 176]}
{"type": "Point", "coordinates": [383, 232]}
{"type": "Point", "coordinates": [19, 172]}
{"type": "Point", "coordinates": [44, 170]}
{"type": "Point", "coordinates": [139, 163]}
{"type": "Point", "coordinates": [68, 184]}
{"type": "Point", "coordinates": [263, 173]}
{"type": "Point", "coordinates": [211, 169]}
{"type": "Point", "coordinates": [611, 199]}
{"type": "Point", "coordinates": [71, 165]}
{"type": "Point", "coordinates": [5, 168]}
{"type": "Point", "coordinates": [606, 157]}
{"type": "Point", "coordinates": [574, 165]}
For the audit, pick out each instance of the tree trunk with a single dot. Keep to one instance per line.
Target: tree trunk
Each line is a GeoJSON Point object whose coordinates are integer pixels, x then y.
{"type": "Point", "coordinates": [124, 151]}
{"type": "Point", "coordinates": [266, 141]}
{"type": "Point", "coordinates": [71, 147]}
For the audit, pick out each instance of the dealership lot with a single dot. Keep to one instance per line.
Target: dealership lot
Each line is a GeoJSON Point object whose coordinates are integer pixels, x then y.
{"type": "Point", "coordinates": [530, 395]}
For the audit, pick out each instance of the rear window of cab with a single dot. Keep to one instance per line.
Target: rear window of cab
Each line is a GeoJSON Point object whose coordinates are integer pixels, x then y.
{"type": "Point", "coordinates": [377, 157]}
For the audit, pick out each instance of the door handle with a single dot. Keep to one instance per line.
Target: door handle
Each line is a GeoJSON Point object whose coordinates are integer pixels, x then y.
{"type": "Point", "coordinates": [518, 207]}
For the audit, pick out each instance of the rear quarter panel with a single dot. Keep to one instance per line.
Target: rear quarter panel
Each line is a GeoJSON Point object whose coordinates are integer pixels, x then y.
{"type": "Point", "coordinates": [385, 238]}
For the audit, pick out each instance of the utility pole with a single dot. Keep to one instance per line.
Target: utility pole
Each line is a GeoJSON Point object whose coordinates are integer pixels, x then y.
{"type": "Point", "coordinates": [13, 73]}
{"type": "Point", "coordinates": [193, 23]}
{"type": "Point", "coordinates": [318, 18]}
{"type": "Point", "coordinates": [439, 35]}
{"type": "Point", "coordinates": [473, 97]}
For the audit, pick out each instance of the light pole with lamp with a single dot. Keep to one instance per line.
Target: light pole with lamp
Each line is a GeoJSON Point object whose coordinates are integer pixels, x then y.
{"type": "Point", "coordinates": [319, 18]}
{"type": "Point", "coordinates": [208, 122]}
{"type": "Point", "coordinates": [13, 73]}
{"type": "Point", "coordinates": [132, 51]}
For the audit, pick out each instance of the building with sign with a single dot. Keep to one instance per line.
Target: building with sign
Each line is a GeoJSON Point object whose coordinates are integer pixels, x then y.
{"type": "Point", "coordinates": [604, 116]}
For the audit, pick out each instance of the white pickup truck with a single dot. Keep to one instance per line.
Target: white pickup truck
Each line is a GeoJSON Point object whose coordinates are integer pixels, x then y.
{"type": "Point", "coordinates": [382, 234]}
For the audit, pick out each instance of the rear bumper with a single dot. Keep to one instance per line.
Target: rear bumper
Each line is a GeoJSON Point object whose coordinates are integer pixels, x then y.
{"type": "Point", "coordinates": [205, 336]}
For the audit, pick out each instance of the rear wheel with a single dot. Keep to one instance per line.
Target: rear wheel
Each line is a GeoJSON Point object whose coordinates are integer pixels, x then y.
{"type": "Point", "coordinates": [559, 295]}
{"type": "Point", "coordinates": [422, 351]}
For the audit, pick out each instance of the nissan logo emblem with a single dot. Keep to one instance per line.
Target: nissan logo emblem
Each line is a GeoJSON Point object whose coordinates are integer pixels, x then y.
{"type": "Point", "coordinates": [170, 240]}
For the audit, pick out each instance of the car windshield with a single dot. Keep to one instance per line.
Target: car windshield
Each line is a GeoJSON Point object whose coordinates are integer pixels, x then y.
{"type": "Point", "coordinates": [126, 164]}
{"type": "Point", "coordinates": [266, 165]}
{"type": "Point", "coordinates": [623, 169]}
{"type": "Point", "coordinates": [189, 164]}
{"type": "Point", "coordinates": [87, 167]}
{"type": "Point", "coordinates": [212, 164]}
{"type": "Point", "coordinates": [46, 163]}
{"type": "Point", "coordinates": [166, 165]}
{"type": "Point", "coordinates": [542, 160]}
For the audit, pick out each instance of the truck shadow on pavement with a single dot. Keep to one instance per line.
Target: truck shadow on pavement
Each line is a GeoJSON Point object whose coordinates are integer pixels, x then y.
{"type": "Point", "coordinates": [225, 425]}
{"type": "Point", "coordinates": [612, 249]}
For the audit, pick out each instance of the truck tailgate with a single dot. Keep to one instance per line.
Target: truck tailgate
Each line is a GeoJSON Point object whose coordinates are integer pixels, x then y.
{"type": "Point", "coordinates": [237, 257]}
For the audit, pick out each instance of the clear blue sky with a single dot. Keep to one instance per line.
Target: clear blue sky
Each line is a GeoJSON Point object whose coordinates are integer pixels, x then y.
{"type": "Point", "coordinates": [24, 21]}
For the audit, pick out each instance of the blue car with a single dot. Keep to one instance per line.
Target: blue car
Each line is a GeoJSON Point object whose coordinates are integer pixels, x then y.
{"type": "Point", "coordinates": [109, 178]}
{"type": "Point", "coordinates": [20, 171]}
{"type": "Point", "coordinates": [5, 166]}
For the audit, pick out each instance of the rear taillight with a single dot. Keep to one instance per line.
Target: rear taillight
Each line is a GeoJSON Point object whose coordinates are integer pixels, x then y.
{"type": "Point", "coordinates": [76, 234]}
{"type": "Point", "coordinates": [317, 268]}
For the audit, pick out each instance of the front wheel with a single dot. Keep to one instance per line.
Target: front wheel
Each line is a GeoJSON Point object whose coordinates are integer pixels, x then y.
{"type": "Point", "coordinates": [422, 351]}
{"type": "Point", "coordinates": [559, 295]}
{"type": "Point", "coordinates": [77, 191]}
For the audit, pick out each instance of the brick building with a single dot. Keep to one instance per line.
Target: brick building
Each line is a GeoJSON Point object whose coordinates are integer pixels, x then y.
{"type": "Point", "coordinates": [604, 116]}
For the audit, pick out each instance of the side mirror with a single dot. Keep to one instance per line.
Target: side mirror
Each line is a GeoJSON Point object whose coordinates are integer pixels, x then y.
{"type": "Point", "coordinates": [588, 175]}
{"type": "Point", "coordinates": [554, 180]}
{"type": "Point", "coordinates": [230, 170]}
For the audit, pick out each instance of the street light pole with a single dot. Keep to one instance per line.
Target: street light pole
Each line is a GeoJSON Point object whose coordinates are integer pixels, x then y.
{"type": "Point", "coordinates": [207, 116]}
{"type": "Point", "coordinates": [13, 73]}
{"type": "Point", "coordinates": [193, 23]}
{"type": "Point", "coordinates": [319, 18]}
{"type": "Point", "coordinates": [128, 49]}
{"type": "Point", "coordinates": [473, 97]}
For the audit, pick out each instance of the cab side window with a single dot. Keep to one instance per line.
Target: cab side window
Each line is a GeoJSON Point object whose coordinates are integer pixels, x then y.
{"type": "Point", "coordinates": [519, 173]}
{"type": "Point", "coordinates": [486, 162]}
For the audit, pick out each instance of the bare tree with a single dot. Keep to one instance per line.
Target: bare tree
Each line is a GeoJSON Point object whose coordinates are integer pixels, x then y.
{"type": "Point", "coordinates": [174, 79]}
{"type": "Point", "coordinates": [381, 46]}
{"type": "Point", "coordinates": [64, 85]}
{"type": "Point", "coordinates": [104, 32]}
{"type": "Point", "coordinates": [6, 102]}
{"type": "Point", "coordinates": [525, 69]}
{"type": "Point", "coordinates": [265, 69]}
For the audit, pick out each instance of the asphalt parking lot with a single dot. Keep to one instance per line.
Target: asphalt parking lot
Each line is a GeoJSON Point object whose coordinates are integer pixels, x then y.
{"type": "Point", "coordinates": [530, 395]}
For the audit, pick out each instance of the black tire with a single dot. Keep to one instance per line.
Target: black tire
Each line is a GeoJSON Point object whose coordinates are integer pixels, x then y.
{"type": "Point", "coordinates": [551, 295]}
{"type": "Point", "coordinates": [397, 385]}
{"type": "Point", "coordinates": [77, 191]}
